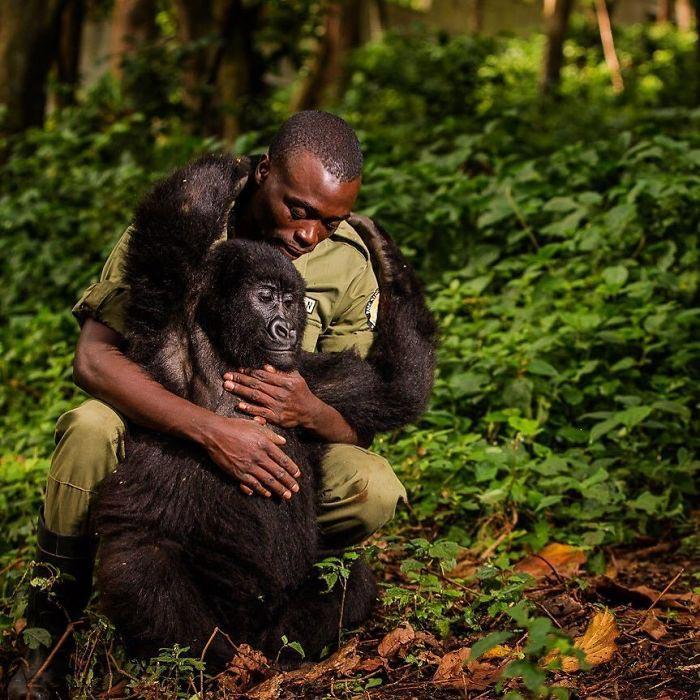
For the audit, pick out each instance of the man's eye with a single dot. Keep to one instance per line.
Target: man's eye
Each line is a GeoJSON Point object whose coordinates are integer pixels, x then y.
{"type": "Point", "coordinates": [297, 213]}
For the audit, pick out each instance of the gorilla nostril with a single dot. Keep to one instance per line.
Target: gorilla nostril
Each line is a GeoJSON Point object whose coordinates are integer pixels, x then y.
{"type": "Point", "coordinates": [281, 332]}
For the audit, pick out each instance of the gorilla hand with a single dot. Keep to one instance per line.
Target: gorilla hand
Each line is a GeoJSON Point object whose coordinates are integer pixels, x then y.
{"type": "Point", "coordinates": [251, 454]}
{"type": "Point", "coordinates": [281, 398]}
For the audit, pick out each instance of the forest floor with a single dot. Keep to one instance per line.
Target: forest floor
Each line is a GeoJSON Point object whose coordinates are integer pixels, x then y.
{"type": "Point", "coordinates": [653, 637]}
{"type": "Point", "coordinates": [637, 624]}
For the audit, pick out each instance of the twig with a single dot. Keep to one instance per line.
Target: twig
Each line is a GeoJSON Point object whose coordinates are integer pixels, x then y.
{"type": "Point", "coordinates": [549, 614]}
{"type": "Point", "coordinates": [665, 590]}
{"type": "Point", "coordinates": [201, 658]}
{"type": "Point", "coordinates": [68, 631]}
{"type": "Point", "coordinates": [551, 566]}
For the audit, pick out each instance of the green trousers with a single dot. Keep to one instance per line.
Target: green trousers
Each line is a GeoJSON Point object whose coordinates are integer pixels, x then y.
{"type": "Point", "coordinates": [360, 489]}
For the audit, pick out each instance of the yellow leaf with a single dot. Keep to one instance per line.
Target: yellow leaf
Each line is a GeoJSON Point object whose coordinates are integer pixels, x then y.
{"type": "Point", "coordinates": [597, 642]}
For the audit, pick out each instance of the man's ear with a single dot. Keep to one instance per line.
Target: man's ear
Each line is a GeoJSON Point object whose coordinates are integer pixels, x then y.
{"type": "Point", "coordinates": [262, 170]}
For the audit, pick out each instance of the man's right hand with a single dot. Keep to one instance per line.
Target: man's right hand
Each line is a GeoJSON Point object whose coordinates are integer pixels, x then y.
{"type": "Point", "coordinates": [251, 454]}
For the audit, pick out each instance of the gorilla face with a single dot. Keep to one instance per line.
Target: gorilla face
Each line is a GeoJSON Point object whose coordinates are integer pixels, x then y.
{"type": "Point", "coordinates": [253, 308]}
{"type": "Point", "coordinates": [276, 309]}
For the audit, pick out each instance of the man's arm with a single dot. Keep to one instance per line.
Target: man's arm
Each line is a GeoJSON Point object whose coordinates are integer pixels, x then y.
{"type": "Point", "coordinates": [242, 448]}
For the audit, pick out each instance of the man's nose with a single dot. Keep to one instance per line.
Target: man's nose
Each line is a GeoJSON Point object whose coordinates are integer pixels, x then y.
{"type": "Point", "coordinates": [307, 235]}
{"type": "Point", "coordinates": [282, 332]}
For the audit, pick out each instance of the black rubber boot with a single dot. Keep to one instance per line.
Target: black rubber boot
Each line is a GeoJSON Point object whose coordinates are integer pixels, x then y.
{"type": "Point", "coordinates": [53, 611]}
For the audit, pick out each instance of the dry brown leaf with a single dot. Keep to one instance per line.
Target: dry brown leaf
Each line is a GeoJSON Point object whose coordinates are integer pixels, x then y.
{"type": "Point", "coordinates": [370, 665]}
{"type": "Point", "coordinates": [643, 596]}
{"type": "Point", "coordinates": [653, 626]}
{"type": "Point", "coordinates": [597, 642]}
{"type": "Point", "coordinates": [564, 558]}
{"type": "Point", "coordinates": [244, 666]}
{"type": "Point", "coordinates": [451, 665]}
{"type": "Point", "coordinates": [397, 642]}
{"type": "Point", "coordinates": [452, 673]}
{"type": "Point", "coordinates": [342, 663]}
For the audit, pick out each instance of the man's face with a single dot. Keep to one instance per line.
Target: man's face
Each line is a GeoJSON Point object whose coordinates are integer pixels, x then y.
{"type": "Point", "coordinates": [298, 204]}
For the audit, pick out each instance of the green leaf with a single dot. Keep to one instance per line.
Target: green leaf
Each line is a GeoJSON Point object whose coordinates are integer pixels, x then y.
{"type": "Point", "coordinates": [488, 642]}
{"type": "Point", "coordinates": [633, 416]}
{"type": "Point", "coordinates": [615, 276]}
{"type": "Point", "coordinates": [298, 648]}
{"type": "Point", "coordinates": [34, 637]}
{"type": "Point", "coordinates": [601, 429]}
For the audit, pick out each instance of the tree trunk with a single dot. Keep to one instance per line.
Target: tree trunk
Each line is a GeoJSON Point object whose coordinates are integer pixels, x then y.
{"type": "Point", "coordinates": [133, 25]}
{"type": "Point", "coordinates": [684, 15]}
{"type": "Point", "coordinates": [237, 69]}
{"type": "Point", "coordinates": [326, 77]}
{"type": "Point", "coordinates": [663, 11]}
{"type": "Point", "coordinates": [195, 19]}
{"type": "Point", "coordinates": [28, 44]}
{"type": "Point", "coordinates": [69, 49]}
{"type": "Point", "coordinates": [557, 25]}
{"type": "Point", "coordinates": [476, 22]}
{"type": "Point", "coordinates": [606, 37]}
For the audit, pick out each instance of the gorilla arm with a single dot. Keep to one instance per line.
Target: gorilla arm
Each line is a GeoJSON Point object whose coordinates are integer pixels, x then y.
{"type": "Point", "coordinates": [391, 388]}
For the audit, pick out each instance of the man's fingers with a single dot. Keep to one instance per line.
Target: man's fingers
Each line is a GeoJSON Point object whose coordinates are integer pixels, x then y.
{"type": "Point", "coordinates": [260, 420]}
{"type": "Point", "coordinates": [279, 473]}
{"type": "Point", "coordinates": [273, 437]}
{"type": "Point", "coordinates": [280, 458]}
{"type": "Point", "coordinates": [246, 490]}
{"type": "Point", "coordinates": [242, 383]}
{"type": "Point", "coordinates": [254, 485]}
{"type": "Point", "coordinates": [266, 414]}
{"type": "Point", "coordinates": [270, 482]}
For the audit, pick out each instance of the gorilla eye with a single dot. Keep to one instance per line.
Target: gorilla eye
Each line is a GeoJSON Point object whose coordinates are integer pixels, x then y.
{"type": "Point", "coordinates": [288, 300]}
{"type": "Point", "coordinates": [265, 294]}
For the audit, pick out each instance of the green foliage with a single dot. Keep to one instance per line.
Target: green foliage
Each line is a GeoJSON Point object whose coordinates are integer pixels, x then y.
{"type": "Point", "coordinates": [559, 246]}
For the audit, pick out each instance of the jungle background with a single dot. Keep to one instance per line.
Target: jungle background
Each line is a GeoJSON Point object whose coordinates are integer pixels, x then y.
{"type": "Point", "coordinates": [540, 165]}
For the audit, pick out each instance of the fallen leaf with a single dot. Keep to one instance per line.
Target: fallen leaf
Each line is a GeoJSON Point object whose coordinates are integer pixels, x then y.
{"type": "Point", "coordinates": [497, 652]}
{"type": "Point", "coordinates": [244, 666]}
{"type": "Point", "coordinates": [451, 665]}
{"type": "Point", "coordinates": [563, 558]}
{"type": "Point", "coordinates": [644, 596]}
{"type": "Point", "coordinates": [397, 642]}
{"type": "Point", "coordinates": [597, 643]}
{"type": "Point", "coordinates": [452, 673]}
{"type": "Point", "coordinates": [370, 665]}
{"type": "Point", "coordinates": [653, 626]}
{"type": "Point", "coordinates": [342, 663]}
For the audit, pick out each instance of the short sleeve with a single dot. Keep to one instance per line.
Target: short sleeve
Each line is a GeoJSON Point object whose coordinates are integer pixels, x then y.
{"type": "Point", "coordinates": [106, 301]}
{"type": "Point", "coordinates": [355, 316]}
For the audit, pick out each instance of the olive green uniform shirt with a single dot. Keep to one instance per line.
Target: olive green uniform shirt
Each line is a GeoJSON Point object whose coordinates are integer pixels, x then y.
{"type": "Point", "coordinates": [341, 293]}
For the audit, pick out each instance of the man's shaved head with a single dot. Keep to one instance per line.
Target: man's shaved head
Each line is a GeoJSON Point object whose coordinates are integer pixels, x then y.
{"type": "Point", "coordinates": [329, 138]}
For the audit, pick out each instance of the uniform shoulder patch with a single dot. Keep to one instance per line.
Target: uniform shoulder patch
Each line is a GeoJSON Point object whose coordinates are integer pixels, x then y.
{"type": "Point", "coordinates": [372, 309]}
{"type": "Point", "coordinates": [310, 304]}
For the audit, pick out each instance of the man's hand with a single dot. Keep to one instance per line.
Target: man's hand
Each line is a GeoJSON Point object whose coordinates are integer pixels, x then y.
{"type": "Point", "coordinates": [251, 454]}
{"type": "Point", "coordinates": [281, 398]}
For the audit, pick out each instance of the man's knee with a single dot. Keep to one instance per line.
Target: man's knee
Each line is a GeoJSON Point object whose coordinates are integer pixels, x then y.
{"type": "Point", "coordinates": [384, 491]}
{"type": "Point", "coordinates": [361, 494]}
{"type": "Point", "coordinates": [89, 443]}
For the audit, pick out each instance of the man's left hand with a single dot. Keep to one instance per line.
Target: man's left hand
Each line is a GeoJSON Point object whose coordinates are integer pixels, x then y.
{"type": "Point", "coordinates": [281, 398]}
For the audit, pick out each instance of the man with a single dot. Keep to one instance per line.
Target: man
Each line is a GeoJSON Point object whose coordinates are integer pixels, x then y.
{"type": "Point", "coordinates": [297, 197]}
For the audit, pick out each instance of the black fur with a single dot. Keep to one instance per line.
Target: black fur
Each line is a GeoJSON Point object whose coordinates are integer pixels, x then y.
{"type": "Point", "coordinates": [182, 549]}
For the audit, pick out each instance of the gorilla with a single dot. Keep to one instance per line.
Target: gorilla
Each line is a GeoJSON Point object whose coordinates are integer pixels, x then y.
{"type": "Point", "coordinates": [182, 550]}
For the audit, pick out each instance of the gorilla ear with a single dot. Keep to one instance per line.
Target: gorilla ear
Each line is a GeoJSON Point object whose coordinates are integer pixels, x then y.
{"type": "Point", "coordinates": [262, 169]}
